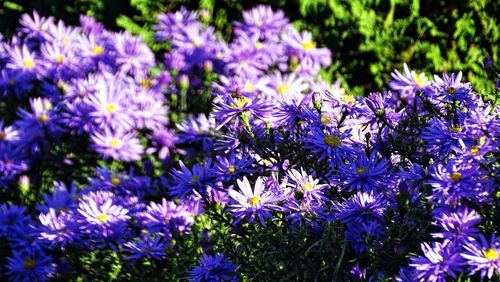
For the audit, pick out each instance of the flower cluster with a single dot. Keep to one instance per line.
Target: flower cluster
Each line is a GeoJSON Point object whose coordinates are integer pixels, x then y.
{"type": "Point", "coordinates": [205, 151]}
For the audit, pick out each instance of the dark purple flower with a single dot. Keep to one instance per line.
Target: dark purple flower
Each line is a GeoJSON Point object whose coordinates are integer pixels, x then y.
{"type": "Point", "coordinates": [231, 168]}
{"type": "Point", "coordinates": [59, 229]}
{"type": "Point", "coordinates": [438, 262]}
{"type": "Point", "coordinates": [146, 247]}
{"type": "Point", "coordinates": [362, 207]}
{"type": "Point", "coordinates": [167, 218]}
{"type": "Point", "coordinates": [23, 266]}
{"type": "Point", "coordinates": [214, 268]}
{"type": "Point", "coordinates": [457, 225]}
{"type": "Point", "coordinates": [188, 182]}
{"type": "Point", "coordinates": [365, 174]}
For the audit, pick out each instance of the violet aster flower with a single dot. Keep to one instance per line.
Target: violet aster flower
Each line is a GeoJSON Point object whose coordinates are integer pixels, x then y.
{"type": "Point", "coordinates": [57, 229]}
{"type": "Point", "coordinates": [329, 143]}
{"type": "Point", "coordinates": [23, 266]}
{"type": "Point", "coordinates": [361, 207]}
{"type": "Point", "coordinates": [439, 261]}
{"type": "Point", "coordinates": [171, 23]}
{"type": "Point", "coordinates": [146, 247]}
{"type": "Point", "coordinates": [365, 236]}
{"type": "Point", "coordinates": [214, 268]}
{"type": "Point", "coordinates": [449, 88]}
{"type": "Point", "coordinates": [231, 168]}
{"type": "Point", "coordinates": [187, 182]}
{"type": "Point", "coordinates": [35, 26]}
{"type": "Point", "coordinates": [23, 59]}
{"type": "Point", "coordinates": [441, 136]}
{"type": "Point", "coordinates": [12, 220]}
{"type": "Point", "coordinates": [12, 163]}
{"type": "Point", "coordinates": [409, 82]}
{"type": "Point", "coordinates": [455, 181]}
{"type": "Point", "coordinates": [117, 145]}
{"type": "Point", "coordinates": [102, 219]}
{"type": "Point", "coordinates": [483, 256]}
{"type": "Point", "coordinates": [8, 133]}
{"type": "Point", "coordinates": [457, 225]}
{"type": "Point", "coordinates": [42, 119]}
{"type": "Point", "coordinates": [232, 109]}
{"type": "Point", "coordinates": [365, 174]}
{"type": "Point", "coordinates": [132, 54]}
{"type": "Point", "coordinates": [150, 110]}
{"type": "Point", "coordinates": [287, 87]}
{"type": "Point", "coordinates": [305, 183]}
{"type": "Point", "coordinates": [197, 129]}
{"type": "Point", "coordinates": [163, 141]}
{"type": "Point", "coordinates": [167, 218]}
{"type": "Point", "coordinates": [15, 82]}
{"type": "Point", "coordinates": [263, 22]}
{"type": "Point", "coordinates": [253, 203]}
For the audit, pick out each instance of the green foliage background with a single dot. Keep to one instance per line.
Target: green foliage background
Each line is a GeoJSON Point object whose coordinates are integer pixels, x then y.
{"type": "Point", "coordinates": [368, 38]}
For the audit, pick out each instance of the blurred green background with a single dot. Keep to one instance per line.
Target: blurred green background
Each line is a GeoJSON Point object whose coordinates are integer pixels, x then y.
{"type": "Point", "coordinates": [368, 38]}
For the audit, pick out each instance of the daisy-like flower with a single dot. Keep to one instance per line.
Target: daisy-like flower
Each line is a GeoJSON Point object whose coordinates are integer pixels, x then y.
{"type": "Point", "coordinates": [214, 268]}
{"type": "Point", "coordinates": [230, 168]}
{"type": "Point", "coordinates": [287, 87]}
{"type": "Point", "coordinates": [150, 110]}
{"type": "Point", "coordinates": [172, 23]}
{"type": "Point", "coordinates": [117, 145]}
{"type": "Point", "coordinates": [23, 266]}
{"type": "Point", "coordinates": [163, 142]}
{"type": "Point", "coordinates": [449, 88]}
{"type": "Point", "coordinates": [35, 26]}
{"type": "Point", "coordinates": [167, 218]}
{"type": "Point", "coordinates": [329, 143]}
{"type": "Point", "coordinates": [409, 82]}
{"type": "Point", "coordinates": [23, 59]}
{"type": "Point", "coordinates": [303, 46]}
{"type": "Point", "coordinates": [483, 256]}
{"type": "Point", "coordinates": [187, 182]}
{"type": "Point", "coordinates": [439, 261]}
{"type": "Point", "coordinates": [361, 207]}
{"type": "Point", "coordinates": [146, 247]}
{"type": "Point", "coordinates": [305, 183]}
{"type": "Point", "coordinates": [12, 220]}
{"type": "Point", "coordinates": [132, 54]}
{"type": "Point", "coordinates": [234, 109]}
{"type": "Point", "coordinates": [263, 22]}
{"type": "Point", "coordinates": [364, 174]}
{"type": "Point", "coordinates": [57, 229]}
{"type": "Point", "coordinates": [457, 225]}
{"type": "Point", "coordinates": [442, 136]}
{"type": "Point", "coordinates": [8, 133]}
{"type": "Point", "coordinates": [101, 219]}
{"type": "Point", "coordinates": [197, 129]}
{"type": "Point", "coordinates": [253, 203]}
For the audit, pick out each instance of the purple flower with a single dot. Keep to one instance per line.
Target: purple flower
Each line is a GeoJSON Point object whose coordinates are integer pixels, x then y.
{"type": "Point", "coordinates": [449, 88]}
{"type": "Point", "coordinates": [23, 266]}
{"type": "Point", "coordinates": [483, 256]}
{"type": "Point", "coordinates": [442, 136]}
{"type": "Point", "coordinates": [15, 82]}
{"type": "Point", "coordinates": [13, 221]}
{"type": "Point", "coordinates": [187, 182]}
{"type": "Point", "coordinates": [329, 143]}
{"type": "Point", "coordinates": [234, 109]}
{"type": "Point", "coordinates": [167, 218]}
{"type": "Point", "coordinates": [12, 163]}
{"type": "Point", "coordinates": [57, 229]}
{"type": "Point", "coordinates": [172, 23]}
{"type": "Point", "coordinates": [231, 168]}
{"type": "Point", "coordinates": [457, 225]}
{"type": "Point", "coordinates": [409, 82]}
{"type": "Point", "coordinates": [438, 262]}
{"type": "Point", "coordinates": [255, 204]}
{"type": "Point", "coordinates": [263, 22]}
{"type": "Point", "coordinates": [365, 174]}
{"type": "Point", "coordinates": [214, 268]}
{"type": "Point", "coordinates": [146, 247]}
{"type": "Point", "coordinates": [102, 217]}
{"type": "Point", "coordinates": [365, 236]}
{"type": "Point", "coordinates": [117, 145]}
{"type": "Point", "coordinates": [197, 129]}
{"type": "Point", "coordinates": [36, 26]}
{"type": "Point", "coordinates": [362, 207]}
{"type": "Point", "coordinates": [23, 59]}
{"type": "Point", "coordinates": [302, 182]}
{"type": "Point", "coordinates": [163, 141]}
{"type": "Point", "coordinates": [132, 54]}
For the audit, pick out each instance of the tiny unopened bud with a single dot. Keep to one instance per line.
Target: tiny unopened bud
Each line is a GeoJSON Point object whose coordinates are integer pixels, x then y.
{"type": "Point", "coordinates": [184, 81]}
{"type": "Point", "coordinates": [24, 184]}
{"type": "Point", "coordinates": [318, 103]}
{"type": "Point", "coordinates": [208, 66]}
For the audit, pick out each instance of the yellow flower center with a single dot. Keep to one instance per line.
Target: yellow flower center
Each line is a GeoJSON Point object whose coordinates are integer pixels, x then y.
{"type": "Point", "coordinates": [97, 50]}
{"type": "Point", "coordinates": [116, 180]}
{"type": "Point", "coordinates": [456, 129]}
{"type": "Point", "coordinates": [491, 254]}
{"type": "Point", "coordinates": [456, 176]}
{"type": "Point", "coordinates": [241, 102]}
{"type": "Point", "coordinates": [332, 141]}
{"type": "Point", "coordinates": [60, 59]}
{"type": "Point", "coordinates": [421, 79]}
{"type": "Point", "coordinates": [29, 263]}
{"type": "Point", "coordinates": [451, 90]}
{"type": "Point", "coordinates": [194, 179]}
{"type": "Point", "coordinates": [361, 170]}
{"type": "Point", "coordinates": [43, 118]}
{"type": "Point", "coordinates": [258, 45]}
{"type": "Point", "coordinates": [232, 168]}
{"type": "Point", "coordinates": [348, 99]}
{"type": "Point", "coordinates": [112, 108]}
{"type": "Point", "coordinates": [29, 63]}
{"type": "Point", "coordinates": [309, 45]}
{"type": "Point", "coordinates": [115, 143]}
{"type": "Point", "coordinates": [249, 87]}
{"type": "Point", "coordinates": [282, 89]}
{"type": "Point", "coordinates": [197, 42]}
{"type": "Point", "coordinates": [146, 83]}
{"type": "Point", "coordinates": [254, 200]}
{"type": "Point", "coordinates": [325, 120]}
{"type": "Point", "coordinates": [103, 218]}
{"type": "Point", "coordinates": [259, 23]}
{"type": "Point", "coordinates": [308, 186]}
{"type": "Point", "coordinates": [474, 150]}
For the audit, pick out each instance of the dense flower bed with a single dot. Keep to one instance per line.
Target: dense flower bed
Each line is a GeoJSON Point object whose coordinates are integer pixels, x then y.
{"type": "Point", "coordinates": [235, 161]}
